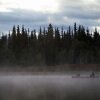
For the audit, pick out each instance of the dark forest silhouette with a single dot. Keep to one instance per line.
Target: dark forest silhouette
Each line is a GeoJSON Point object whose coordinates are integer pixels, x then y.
{"type": "Point", "coordinates": [52, 46]}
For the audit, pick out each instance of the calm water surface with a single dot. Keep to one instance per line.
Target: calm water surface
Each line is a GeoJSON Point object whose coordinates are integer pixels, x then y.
{"type": "Point", "coordinates": [48, 87]}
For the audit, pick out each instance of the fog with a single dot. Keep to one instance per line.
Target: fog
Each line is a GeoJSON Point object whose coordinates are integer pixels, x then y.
{"type": "Point", "coordinates": [48, 87]}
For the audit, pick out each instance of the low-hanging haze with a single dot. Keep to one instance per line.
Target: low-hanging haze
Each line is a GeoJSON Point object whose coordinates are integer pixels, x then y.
{"type": "Point", "coordinates": [36, 13]}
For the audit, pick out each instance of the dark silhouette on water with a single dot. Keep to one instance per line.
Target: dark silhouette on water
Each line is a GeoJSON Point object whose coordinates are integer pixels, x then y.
{"type": "Point", "coordinates": [78, 75]}
{"type": "Point", "coordinates": [92, 74]}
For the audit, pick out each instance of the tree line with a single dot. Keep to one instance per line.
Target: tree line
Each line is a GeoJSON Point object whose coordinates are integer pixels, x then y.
{"type": "Point", "coordinates": [50, 46]}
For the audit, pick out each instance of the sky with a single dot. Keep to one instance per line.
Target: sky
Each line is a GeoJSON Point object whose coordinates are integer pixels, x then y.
{"type": "Point", "coordinates": [35, 13]}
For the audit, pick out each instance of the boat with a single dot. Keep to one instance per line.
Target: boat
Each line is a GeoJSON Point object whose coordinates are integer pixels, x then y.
{"type": "Point", "coordinates": [96, 76]}
{"type": "Point", "coordinates": [92, 75]}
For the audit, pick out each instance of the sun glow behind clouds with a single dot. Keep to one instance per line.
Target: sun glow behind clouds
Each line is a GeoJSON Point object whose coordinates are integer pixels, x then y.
{"type": "Point", "coordinates": [50, 6]}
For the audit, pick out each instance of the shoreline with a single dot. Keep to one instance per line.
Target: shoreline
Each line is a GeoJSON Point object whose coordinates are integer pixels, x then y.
{"type": "Point", "coordinates": [58, 69]}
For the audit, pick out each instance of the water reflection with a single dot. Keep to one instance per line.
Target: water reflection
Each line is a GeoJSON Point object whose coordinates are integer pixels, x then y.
{"type": "Point", "coordinates": [48, 87]}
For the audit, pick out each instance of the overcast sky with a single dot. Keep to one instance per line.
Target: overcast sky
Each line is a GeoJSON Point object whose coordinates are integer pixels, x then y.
{"type": "Point", "coordinates": [36, 13]}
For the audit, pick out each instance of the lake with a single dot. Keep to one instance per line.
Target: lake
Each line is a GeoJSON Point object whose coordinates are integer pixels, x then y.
{"type": "Point", "coordinates": [48, 87]}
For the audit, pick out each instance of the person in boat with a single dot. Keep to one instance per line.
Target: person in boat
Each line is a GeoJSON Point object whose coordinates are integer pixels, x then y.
{"type": "Point", "coordinates": [78, 75]}
{"type": "Point", "coordinates": [92, 74]}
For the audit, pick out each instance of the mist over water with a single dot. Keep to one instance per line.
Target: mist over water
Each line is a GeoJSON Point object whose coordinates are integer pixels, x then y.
{"type": "Point", "coordinates": [48, 87]}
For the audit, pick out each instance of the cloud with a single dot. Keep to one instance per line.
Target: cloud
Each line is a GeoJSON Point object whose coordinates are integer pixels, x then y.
{"type": "Point", "coordinates": [21, 16]}
{"type": "Point", "coordinates": [50, 6]}
{"type": "Point", "coordinates": [81, 11]}
{"type": "Point", "coordinates": [28, 18]}
{"type": "Point", "coordinates": [67, 12]}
